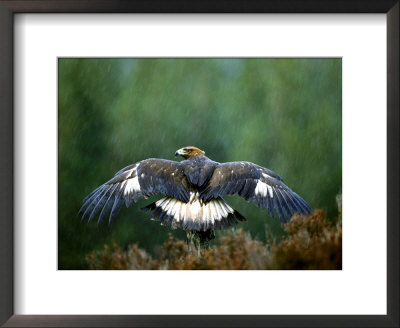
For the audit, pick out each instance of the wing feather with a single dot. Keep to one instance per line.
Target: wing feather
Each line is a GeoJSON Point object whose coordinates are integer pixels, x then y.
{"type": "Point", "coordinates": [108, 204]}
{"type": "Point", "coordinates": [99, 202]}
{"type": "Point", "coordinates": [118, 202]}
{"type": "Point", "coordinates": [289, 200]}
{"type": "Point", "coordinates": [278, 205]}
{"type": "Point", "coordinates": [90, 203]}
{"type": "Point", "coordinates": [283, 203]}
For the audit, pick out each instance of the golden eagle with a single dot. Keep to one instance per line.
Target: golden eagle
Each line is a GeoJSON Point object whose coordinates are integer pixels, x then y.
{"type": "Point", "coordinates": [193, 190]}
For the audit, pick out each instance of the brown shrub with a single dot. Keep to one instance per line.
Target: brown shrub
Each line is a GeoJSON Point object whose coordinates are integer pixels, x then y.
{"type": "Point", "coordinates": [114, 258]}
{"type": "Point", "coordinates": [311, 243]}
{"type": "Point", "coordinates": [234, 251]}
{"type": "Point", "coordinates": [237, 251]}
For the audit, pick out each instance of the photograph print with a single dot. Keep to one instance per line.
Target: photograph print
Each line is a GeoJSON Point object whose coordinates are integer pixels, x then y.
{"type": "Point", "coordinates": [199, 163]}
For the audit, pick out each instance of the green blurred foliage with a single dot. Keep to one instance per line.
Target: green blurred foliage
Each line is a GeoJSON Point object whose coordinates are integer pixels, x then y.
{"type": "Point", "coordinates": [283, 114]}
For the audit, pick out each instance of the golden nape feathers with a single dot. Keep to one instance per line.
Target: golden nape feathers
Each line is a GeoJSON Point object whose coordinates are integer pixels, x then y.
{"type": "Point", "coordinates": [189, 152]}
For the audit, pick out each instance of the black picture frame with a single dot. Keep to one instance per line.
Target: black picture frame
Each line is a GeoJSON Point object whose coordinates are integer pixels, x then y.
{"type": "Point", "coordinates": [7, 11]}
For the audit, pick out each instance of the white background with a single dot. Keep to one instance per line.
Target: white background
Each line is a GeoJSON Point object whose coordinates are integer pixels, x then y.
{"type": "Point", "coordinates": [360, 288]}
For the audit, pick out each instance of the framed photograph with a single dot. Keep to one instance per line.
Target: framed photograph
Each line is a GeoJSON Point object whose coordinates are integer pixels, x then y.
{"type": "Point", "coordinates": [232, 108]}
{"type": "Point", "coordinates": [100, 99]}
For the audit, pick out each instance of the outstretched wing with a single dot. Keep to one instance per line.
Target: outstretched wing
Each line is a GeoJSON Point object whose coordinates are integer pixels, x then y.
{"type": "Point", "coordinates": [252, 182]}
{"type": "Point", "coordinates": [141, 179]}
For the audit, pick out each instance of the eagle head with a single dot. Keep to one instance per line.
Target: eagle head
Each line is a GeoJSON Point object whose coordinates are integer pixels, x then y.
{"type": "Point", "coordinates": [189, 152]}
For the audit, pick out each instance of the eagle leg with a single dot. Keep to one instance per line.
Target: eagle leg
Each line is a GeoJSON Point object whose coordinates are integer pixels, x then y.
{"type": "Point", "coordinates": [199, 239]}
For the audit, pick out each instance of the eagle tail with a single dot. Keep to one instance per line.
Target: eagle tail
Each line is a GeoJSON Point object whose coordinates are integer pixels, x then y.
{"type": "Point", "coordinates": [149, 207]}
{"type": "Point", "coordinates": [239, 216]}
{"type": "Point", "coordinates": [195, 215]}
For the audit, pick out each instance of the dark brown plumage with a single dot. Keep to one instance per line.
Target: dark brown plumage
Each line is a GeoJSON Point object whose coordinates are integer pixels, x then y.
{"type": "Point", "coordinates": [193, 190]}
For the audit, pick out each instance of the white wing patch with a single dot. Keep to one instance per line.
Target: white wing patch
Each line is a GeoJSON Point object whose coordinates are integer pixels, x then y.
{"type": "Point", "coordinates": [265, 175]}
{"type": "Point", "coordinates": [262, 189]}
{"type": "Point", "coordinates": [131, 185]}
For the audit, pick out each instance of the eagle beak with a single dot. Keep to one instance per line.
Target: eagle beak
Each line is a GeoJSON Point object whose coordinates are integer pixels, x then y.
{"type": "Point", "coordinates": [179, 152]}
{"type": "Point", "coordinates": [176, 153]}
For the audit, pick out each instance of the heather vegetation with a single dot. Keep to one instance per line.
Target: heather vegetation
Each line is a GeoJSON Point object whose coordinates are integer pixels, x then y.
{"type": "Point", "coordinates": [310, 243]}
{"type": "Point", "coordinates": [283, 114]}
